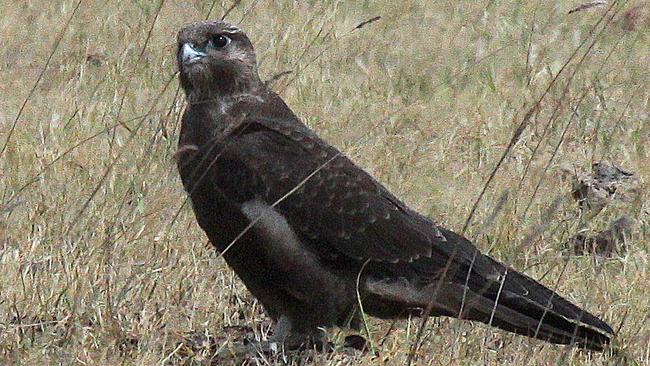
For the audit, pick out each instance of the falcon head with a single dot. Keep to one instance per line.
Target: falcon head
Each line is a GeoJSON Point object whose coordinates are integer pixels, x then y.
{"type": "Point", "coordinates": [216, 59]}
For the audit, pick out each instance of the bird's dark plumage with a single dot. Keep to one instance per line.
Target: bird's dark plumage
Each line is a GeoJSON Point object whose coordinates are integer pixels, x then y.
{"type": "Point", "coordinates": [318, 223]}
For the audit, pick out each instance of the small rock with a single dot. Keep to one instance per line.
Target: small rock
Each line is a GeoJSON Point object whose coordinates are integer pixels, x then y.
{"type": "Point", "coordinates": [357, 342]}
{"type": "Point", "coordinates": [605, 183]}
{"type": "Point", "coordinates": [635, 18]}
{"type": "Point", "coordinates": [96, 59]}
{"type": "Point", "coordinates": [606, 243]}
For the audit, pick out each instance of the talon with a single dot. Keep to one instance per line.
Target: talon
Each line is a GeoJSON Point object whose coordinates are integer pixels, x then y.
{"type": "Point", "coordinates": [273, 346]}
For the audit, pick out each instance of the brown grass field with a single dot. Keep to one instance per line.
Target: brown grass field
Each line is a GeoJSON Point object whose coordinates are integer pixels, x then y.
{"type": "Point", "coordinates": [102, 262]}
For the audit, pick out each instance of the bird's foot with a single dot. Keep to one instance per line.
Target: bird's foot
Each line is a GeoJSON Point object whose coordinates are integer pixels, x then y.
{"type": "Point", "coordinates": [303, 342]}
{"type": "Point", "coordinates": [250, 348]}
{"type": "Point", "coordinates": [353, 346]}
{"type": "Point", "coordinates": [286, 336]}
{"type": "Point", "coordinates": [270, 350]}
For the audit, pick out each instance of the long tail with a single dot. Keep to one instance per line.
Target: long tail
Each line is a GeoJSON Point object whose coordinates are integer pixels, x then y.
{"type": "Point", "coordinates": [492, 293]}
{"type": "Point", "coordinates": [519, 304]}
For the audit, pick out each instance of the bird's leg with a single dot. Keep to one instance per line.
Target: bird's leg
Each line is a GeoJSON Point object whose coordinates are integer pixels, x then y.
{"type": "Point", "coordinates": [287, 337]}
{"type": "Point", "coordinates": [281, 330]}
{"type": "Point", "coordinates": [284, 338]}
{"type": "Point", "coordinates": [275, 343]}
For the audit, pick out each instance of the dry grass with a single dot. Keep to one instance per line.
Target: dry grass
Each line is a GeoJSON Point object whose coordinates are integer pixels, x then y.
{"type": "Point", "coordinates": [102, 263]}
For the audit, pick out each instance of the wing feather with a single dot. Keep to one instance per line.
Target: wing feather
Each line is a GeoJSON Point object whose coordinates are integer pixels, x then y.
{"type": "Point", "coordinates": [340, 207]}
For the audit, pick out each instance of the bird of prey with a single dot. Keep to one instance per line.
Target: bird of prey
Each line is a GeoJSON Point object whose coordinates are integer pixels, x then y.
{"type": "Point", "coordinates": [314, 237]}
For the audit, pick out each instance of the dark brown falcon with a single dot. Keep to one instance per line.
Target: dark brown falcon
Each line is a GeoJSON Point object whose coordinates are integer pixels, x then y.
{"type": "Point", "coordinates": [300, 223]}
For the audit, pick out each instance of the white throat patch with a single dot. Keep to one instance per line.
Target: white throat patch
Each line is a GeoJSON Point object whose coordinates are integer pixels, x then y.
{"type": "Point", "coordinates": [226, 103]}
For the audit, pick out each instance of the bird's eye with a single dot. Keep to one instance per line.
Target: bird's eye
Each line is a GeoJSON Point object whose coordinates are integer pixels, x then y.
{"type": "Point", "coordinates": [219, 41]}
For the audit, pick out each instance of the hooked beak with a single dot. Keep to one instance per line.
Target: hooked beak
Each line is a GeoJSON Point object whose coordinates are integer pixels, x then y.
{"type": "Point", "coordinates": [190, 55]}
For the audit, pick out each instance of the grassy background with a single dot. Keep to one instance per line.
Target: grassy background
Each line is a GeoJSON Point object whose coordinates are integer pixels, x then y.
{"type": "Point", "coordinates": [102, 263]}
